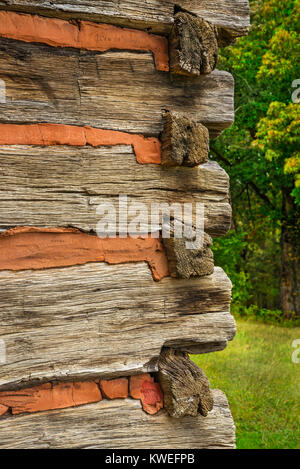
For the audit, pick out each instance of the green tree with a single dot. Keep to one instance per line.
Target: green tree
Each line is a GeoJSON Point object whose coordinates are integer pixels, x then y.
{"type": "Point", "coordinates": [261, 150]}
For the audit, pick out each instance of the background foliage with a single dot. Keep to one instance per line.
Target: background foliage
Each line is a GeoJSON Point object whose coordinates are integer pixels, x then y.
{"type": "Point", "coordinates": [261, 153]}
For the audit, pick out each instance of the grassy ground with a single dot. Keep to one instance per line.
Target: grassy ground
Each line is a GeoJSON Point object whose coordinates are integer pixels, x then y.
{"type": "Point", "coordinates": [261, 383]}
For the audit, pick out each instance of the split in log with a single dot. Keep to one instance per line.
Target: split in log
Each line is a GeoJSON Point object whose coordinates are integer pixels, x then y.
{"type": "Point", "coordinates": [52, 396]}
{"type": "Point", "coordinates": [65, 187]}
{"type": "Point", "coordinates": [193, 46]}
{"type": "Point", "coordinates": [147, 150]}
{"type": "Point", "coordinates": [67, 323]}
{"type": "Point", "coordinates": [114, 388]}
{"type": "Point", "coordinates": [143, 387]}
{"type": "Point", "coordinates": [84, 35]}
{"type": "Point", "coordinates": [115, 90]}
{"type": "Point", "coordinates": [185, 387]}
{"type": "Point", "coordinates": [232, 17]}
{"type": "Point", "coordinates": [49, 397]}
{"type": "Point", "coordinates": [31, 248]}
{"type": "Point", "coordinates": [186, 263]}
{"type": "Point", "coordinates": [105, 425]}
{"type": "Point", "coordinates": [3, 409]}
{"type": "Point", "coordinates": [184, 142]}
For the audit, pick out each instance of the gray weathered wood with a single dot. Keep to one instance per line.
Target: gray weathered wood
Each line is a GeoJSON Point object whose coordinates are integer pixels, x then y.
{"type": "Point", "coordinates": [99, 320]}
{"type": "Point", "coordinates": [184, 142]}
{"type": "Point", "coordinates": [231, 16]}
{"type": "Point", "coordinates": [119, 424]}
{"type": "Point", "coordinates": [185, 387]}
{"type": "Point", "coordinates": [114, 90]}
{"type": "Point", "coordinates": [185, 262]}
{"type": "Point", "coordinates": [193, 46]}
{"type": "Point", "coordinates": [63, 185]}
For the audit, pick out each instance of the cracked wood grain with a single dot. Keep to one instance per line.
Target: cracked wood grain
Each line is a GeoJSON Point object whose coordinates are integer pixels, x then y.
{"type": "Point", "coordinates": [99, 320]}
{"type": "Point", "coordinates": [63, 186]}
{"type": "Point", "coordinates": [105, 425]}
{"type": "Point", "coordinates": [119, 91]}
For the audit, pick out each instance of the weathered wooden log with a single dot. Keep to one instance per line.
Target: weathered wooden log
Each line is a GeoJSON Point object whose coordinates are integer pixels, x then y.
{"type": "Point", "coordinates": [193, 46]}
{"type": "Point", "coordinates": [185, 262]}
{"type": "Point", "coordinates": [184, 142]}
{"type": "Point", "coordinates": [119, 91]}
{"type": "Point", "coordinates": [97, 320]}
{"type": "Point", "coordinates": [106, 425]}
{"type": "Point", "coordinates": [82, 123]}
{"type": "Point", "coordinates": [185, 387]}
{"type": "Point", "coordinates": [63, 186]}
{"type": "Point", "coordinates": [230, 16]}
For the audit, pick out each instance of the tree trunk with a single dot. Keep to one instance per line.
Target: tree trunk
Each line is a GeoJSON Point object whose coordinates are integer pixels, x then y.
{"type": "Point", "coordinates": [290, 258]}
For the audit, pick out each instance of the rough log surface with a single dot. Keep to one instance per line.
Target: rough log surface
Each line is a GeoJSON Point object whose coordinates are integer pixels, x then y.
{"type": "Point", "coordinates": [106, 425]}
{"type": "Point", "coordinates": [103, 321]}
{"type": "Point", "coordinates": [231, 16]}
{"type": "Point", "coordinates": [185, 387]}
{"type": "Point", "coordinates": [186, 263]}
{"type": "Point", "coordinates": [184, 142]}
{"type": "Point", "coordinates": [193, 46]}
{"type": "Point", "coordinates": [62, 186]}
{"type": "Point", "coordinates": [113, 90]}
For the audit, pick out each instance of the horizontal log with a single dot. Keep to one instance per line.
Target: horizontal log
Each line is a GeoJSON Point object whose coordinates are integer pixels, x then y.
{"type": "Point", "coordinates": [106, 425]}
{"type": "Point", "coordinates": [231, 16]}
{"type": "Point", "coordinates": [99, 321]}
{"type": "Point", "coordinates": [115, 90]}
{"type": "Point", "coordinates": [47, 187]}
{"type": "Point", "coordinates": [31, 248]}
{"type": "Point", "coordinates": [193, 41]}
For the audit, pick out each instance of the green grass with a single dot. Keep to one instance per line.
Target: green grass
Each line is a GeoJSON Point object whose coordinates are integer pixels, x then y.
{"type": "Point", "coordinates": [262, 384]}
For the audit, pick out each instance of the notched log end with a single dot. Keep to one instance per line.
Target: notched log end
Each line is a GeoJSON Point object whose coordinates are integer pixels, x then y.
{"type": "Point", "coordinates": [193, 46]}
{"type": "Point", "coordinates": [185, 387]}
{"type": "Point", "coordinates": [184, 142]}
{"type": "Point", "coordinates": [186, 263]}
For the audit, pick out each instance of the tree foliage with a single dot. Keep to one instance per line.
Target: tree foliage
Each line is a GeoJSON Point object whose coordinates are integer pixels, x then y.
{"type": "Point", "coordinates": [261, 151]}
